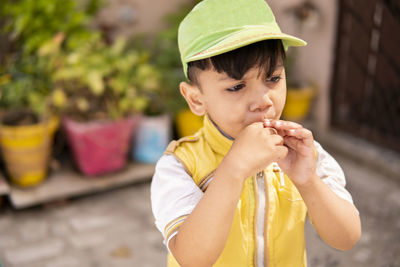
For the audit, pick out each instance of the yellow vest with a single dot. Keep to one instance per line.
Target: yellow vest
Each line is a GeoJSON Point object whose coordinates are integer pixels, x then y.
{"type": "Point", "coordinates": [285, 211]}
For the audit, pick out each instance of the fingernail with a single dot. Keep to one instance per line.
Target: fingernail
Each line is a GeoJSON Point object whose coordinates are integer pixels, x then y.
{"type": "Point", "coordinates": [267, 122]}
{"type": "Point", "coordinates": [292, 130]}
{"type": "Point", "coordinates": [278, 123]}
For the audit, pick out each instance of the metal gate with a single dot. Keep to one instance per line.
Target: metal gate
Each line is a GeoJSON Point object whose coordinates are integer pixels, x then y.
{"type": "Point", "coordinates": [366, 81]}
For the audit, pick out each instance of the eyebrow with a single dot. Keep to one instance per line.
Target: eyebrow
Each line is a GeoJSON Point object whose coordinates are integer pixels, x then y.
{"type": "Point", "coordinates": [226, 77]}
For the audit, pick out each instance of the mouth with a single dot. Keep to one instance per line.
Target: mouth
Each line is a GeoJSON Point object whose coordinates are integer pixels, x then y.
{"type": "Point", "coordinates": [261, 117]}
{"type": "Point", "coordinates": [269, 116]}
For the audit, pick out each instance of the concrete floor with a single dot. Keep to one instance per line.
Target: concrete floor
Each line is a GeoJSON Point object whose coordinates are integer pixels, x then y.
{"type": "Point", "coordinates": [115, 229]}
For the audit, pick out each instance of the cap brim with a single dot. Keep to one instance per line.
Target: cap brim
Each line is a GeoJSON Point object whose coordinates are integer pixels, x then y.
{"type": "Point", "coordinates": [245, 37]}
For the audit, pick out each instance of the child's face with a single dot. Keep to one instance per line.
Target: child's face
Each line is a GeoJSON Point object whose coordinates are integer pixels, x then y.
{"type": "Point", "coordinates": [234, 104]}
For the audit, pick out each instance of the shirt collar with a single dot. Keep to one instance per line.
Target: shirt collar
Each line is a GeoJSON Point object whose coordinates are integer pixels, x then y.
{"type": "Point", "coordinates": [219, 141]}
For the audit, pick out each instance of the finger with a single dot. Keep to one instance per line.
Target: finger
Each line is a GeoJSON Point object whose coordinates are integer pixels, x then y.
{"type": "Point", "coordinates": [282, 152]}
{"type": "Point", "coordinates": [277, 139]}
{"type": "Point", "coordinates": [292, 142]}
{"type": "Point", "coordinates": [285, 125]}
{"type": "Point", "coordinates": [282, 133]}
{"type": "Point", "coordinates": [257, 124]}
{"type": "Point", "coordinates": [299, 146]}
{"type": "Point", "coordinates": [304, 134]}
{"type": "Point", "coordinates": [268, 124]}
{"type": "Point", "coordinates": [272, 130]}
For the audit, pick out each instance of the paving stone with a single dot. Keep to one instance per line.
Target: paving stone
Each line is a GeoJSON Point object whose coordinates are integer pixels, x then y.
{"type": "Point", "coordinates": [34, 230]}
{"type": "Point", "coordinates": [365, 238]}
{"type": "Point", "coordinates": [66, 261]}
{"type": "Point", "coordinates": [60, 229]}
{"type": "Point", "coordinates": [8, 241]}
{"type": "Point", "coordinates": [106, 206]}
{"type": "Point", "coordinates": [34, 252]}
{"type": "Point", "coordinates": [127, 229]}
{"type": "Point", "coordinates": [395, 198]}
{"type": "Point", "coordinates": [87, 240]}
{"type": "Point", "coordinates": [88, 222]}
{"type": "Point", "coordinates": [363, 255]}
{"type": "Point", "coordinates": [70, 209]}
{"type": "Point", "coordinates": [5, 222]}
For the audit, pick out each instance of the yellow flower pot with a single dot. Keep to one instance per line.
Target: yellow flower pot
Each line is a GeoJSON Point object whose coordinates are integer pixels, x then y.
{"type": "Point", "coordinates": [298, 102]}
{"type": "Point", "coordinates": [187, 123]}
{"type": "Point", "coordinates": [26, 150]}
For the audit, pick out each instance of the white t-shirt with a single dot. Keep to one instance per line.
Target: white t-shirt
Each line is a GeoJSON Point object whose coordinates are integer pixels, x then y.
{"type": "Point", "coordinates": [174, 194]}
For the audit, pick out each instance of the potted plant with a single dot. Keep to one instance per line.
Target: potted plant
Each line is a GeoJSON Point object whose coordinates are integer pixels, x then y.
{"type": "Point", "coordinates": [27, 123]}
{"type": "Point", "coordinates": [299, 93]}
{"type": "Point", "coordinates": [33, 31]}
{"type": "Point", "coordinates": [105, 87]}
{"type": "Point", "coordinates": [154, 131]}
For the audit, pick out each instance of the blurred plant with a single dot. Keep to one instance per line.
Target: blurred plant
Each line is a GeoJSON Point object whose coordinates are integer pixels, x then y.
{"type": "Point", "coordinates": [25, 83]}
{"type": "Point", "coordinates": [166, 56]}
{"type": "Point", "coordinates": [31, 23]}
{"type": "Point", "coordinates": [35, 32]}
{"type": "Point", "coordinates": [96, 81]}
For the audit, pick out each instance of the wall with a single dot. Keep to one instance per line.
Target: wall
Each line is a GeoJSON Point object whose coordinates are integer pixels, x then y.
{"type": "Point", "coordinates": [315, 61]}
{"type": "Point", "coordinates": [127, 17]}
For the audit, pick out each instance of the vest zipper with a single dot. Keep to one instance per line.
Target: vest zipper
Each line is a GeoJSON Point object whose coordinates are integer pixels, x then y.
{"type": "Point", "coordinates": [266, 254]}
{"type": "Point", "coordinates": [261, 215]}
{"type": "Point", "coordinates": [255, 260]}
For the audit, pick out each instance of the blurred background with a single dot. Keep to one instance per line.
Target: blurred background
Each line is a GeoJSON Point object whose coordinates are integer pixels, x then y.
{"type": "Point", "coordinates": [90, 100]}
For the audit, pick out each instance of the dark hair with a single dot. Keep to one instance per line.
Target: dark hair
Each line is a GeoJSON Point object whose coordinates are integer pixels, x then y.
{"type": "Point", "coordinates": [264, 54]}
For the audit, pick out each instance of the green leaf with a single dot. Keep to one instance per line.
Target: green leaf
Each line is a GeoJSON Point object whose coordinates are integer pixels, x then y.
{"type": "Point", "coordinates": [68, 73]}
{"type": "Point", "coordinates": [95, 82]}
{"type": "Point", "coordinates": [140, 103]}
{"type": "Point", "coordinates": [118, 47]}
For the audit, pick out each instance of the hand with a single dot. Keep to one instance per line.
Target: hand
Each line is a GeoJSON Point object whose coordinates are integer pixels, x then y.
{"type": "Point", "coordinates": [253, 150]}
{"type": "Point", "coordinates": [300, 161]}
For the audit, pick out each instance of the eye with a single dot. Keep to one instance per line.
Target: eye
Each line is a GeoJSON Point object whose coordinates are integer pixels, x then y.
{"type": "Point", "coordinates": [236, 88]}
{"type": "Point", "coordinates": [274, 79]}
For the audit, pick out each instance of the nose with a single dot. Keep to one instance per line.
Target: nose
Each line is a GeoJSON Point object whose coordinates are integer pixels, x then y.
{"type": "Point", "coordinates": [261, 100]}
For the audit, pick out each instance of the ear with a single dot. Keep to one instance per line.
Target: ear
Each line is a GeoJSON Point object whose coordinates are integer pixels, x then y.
{"type": "Point", "coordinates": [193, 97]}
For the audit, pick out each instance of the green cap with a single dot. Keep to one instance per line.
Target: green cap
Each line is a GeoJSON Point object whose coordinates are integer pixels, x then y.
{"type": "Point", "coordinates": [214, 27]}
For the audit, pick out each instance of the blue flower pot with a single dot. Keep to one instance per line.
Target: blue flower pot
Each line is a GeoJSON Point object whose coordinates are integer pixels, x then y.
{"type": "Point", "coordinates": [152, 138]}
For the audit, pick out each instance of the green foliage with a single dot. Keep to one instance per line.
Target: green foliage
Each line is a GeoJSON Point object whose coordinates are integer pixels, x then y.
{"type": "Point", "coordinates": [102, 82]}
{"type": "Point", "coordinates": [167, 58]}
{"type": "Point", "coordinates": [37, 30]}
{"type": "Point", "coordinates": [30, 23]}
{"type": "Point", "coordinates": [58, 63]}
{"type": "Point", "coordinates": [25, 83]}
{"type": "Point", "coordinates": [17, 86]}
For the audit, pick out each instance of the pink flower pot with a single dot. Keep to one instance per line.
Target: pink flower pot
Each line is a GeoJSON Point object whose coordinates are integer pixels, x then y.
{"type": "Point", "coordinates": [100, 147]}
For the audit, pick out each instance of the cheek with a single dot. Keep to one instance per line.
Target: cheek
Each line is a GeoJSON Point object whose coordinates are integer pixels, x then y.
{"type": "Point", "coordinates": [279, 100]}
{"type": "Point", "coordinates": [281, 93]}
{"type": "Point", "coordinates": [282, 98]}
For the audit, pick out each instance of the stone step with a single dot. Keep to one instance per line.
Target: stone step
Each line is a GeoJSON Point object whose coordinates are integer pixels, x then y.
{"type": "Point", "coordinates": [67, 182]}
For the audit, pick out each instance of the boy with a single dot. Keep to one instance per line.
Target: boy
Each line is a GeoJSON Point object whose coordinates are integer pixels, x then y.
{"type": "Point", "coordinates": [237, 192]}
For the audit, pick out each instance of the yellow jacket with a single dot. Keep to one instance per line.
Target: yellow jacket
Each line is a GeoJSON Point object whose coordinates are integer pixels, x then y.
{"type": "Point", "coordinates": [285, 211]}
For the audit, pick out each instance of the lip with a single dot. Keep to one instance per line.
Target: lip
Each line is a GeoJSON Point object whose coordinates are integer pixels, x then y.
{"type": "Point", "coordinates": [260, 117]}
{"type": "Point", "coordinates": [269, 116]}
